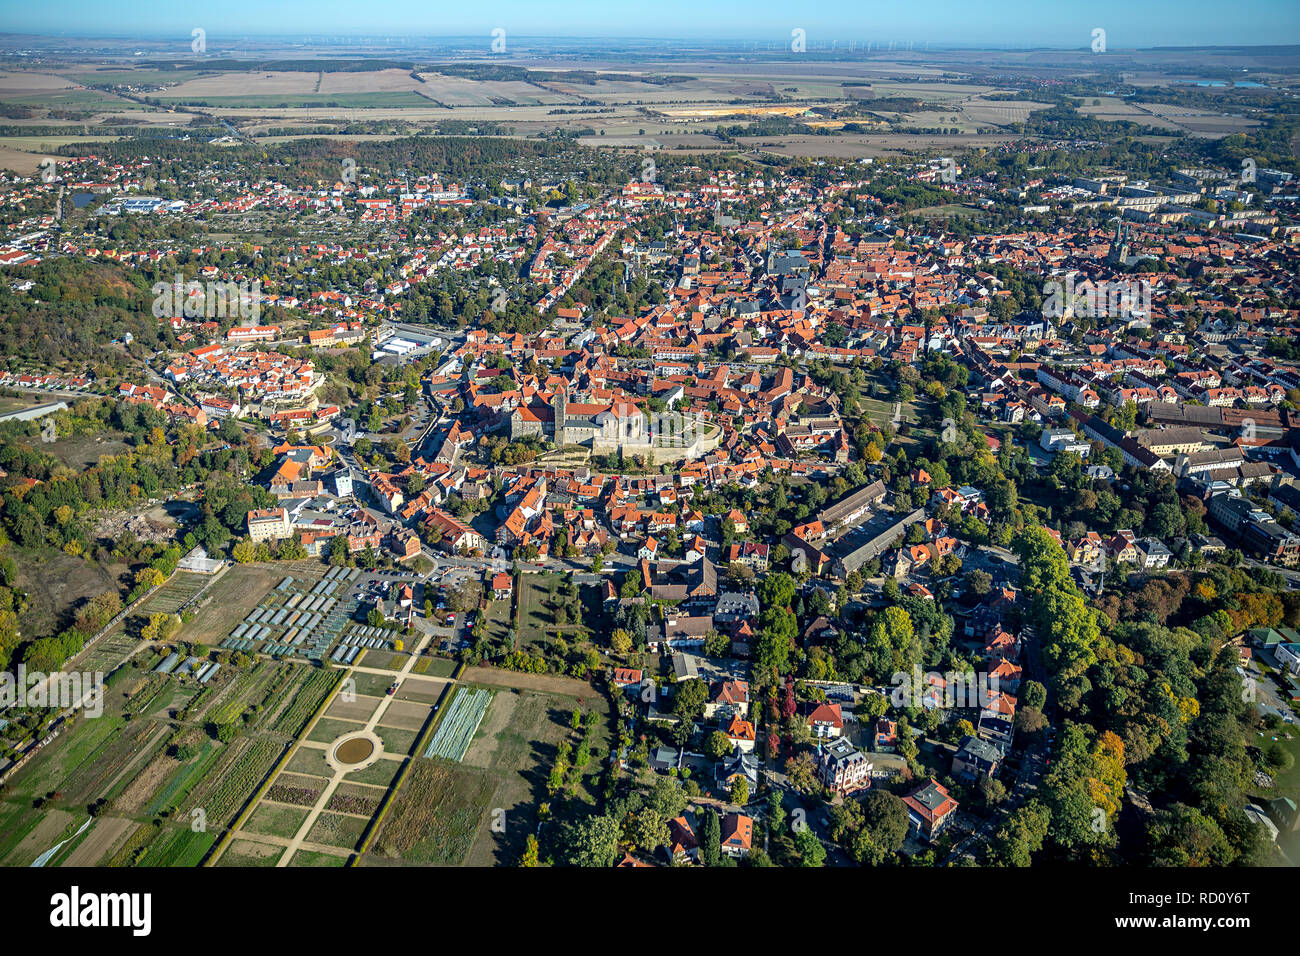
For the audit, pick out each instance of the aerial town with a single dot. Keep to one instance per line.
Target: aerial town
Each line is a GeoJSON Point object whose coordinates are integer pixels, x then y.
{"type": "Point", "coordinates": [714, 496]}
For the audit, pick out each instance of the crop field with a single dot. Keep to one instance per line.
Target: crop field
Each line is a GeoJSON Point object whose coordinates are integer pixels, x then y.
{"type": "Point", "coordinates": [356, 799]}
{"type": "Point", "coordinates": [155, 774]}
{"type": "Point", "coordinates": [110, 650]}
{"type": "Point", "coordinates": [180, 847]}
{"type": "Point", "coordinates": [435, 815]}
{"type": "Point", "coordinates": [459, 723]}
{"type": "Point", "coordinates": [337, 829]}
{"type": "Point", "coordinates": [516, 744]}
{"type": "Point", "coordinates": [233, 782]}
{"type": "Point", "coordinates": [296, 790]}
{"type": "Point", "coordinates": [306, 701]}
{"type": "Point", "coordinates": [272, 819]}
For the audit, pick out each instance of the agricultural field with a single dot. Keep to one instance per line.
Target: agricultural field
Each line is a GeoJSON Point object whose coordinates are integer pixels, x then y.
{"type": "Point", "coordinates": [163, 783]}
{"type": "Point", "coordinates": [240, 589]}
{"type": "Point", "coordinates": [436, 814]}
{"type": "Point", "coordinates": [442, 809]}
{"type": "Point", "coordinates": [517, 743]}
{"type": "Point", "coordinates": [459, 723]}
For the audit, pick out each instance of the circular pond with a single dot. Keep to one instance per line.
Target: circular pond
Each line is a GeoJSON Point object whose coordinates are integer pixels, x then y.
{"type": "Point", "coordinates": [355, 750]}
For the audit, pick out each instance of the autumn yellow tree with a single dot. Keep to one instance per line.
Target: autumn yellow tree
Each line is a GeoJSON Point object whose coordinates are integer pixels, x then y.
{"type": "Point", "coordinates": [1106, 782]}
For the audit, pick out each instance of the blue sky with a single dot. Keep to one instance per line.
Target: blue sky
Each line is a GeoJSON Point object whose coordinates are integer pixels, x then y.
{"type": "Point", "coordinates": [1008, 23]}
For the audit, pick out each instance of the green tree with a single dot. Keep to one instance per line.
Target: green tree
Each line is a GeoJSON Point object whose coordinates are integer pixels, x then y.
{"type": "Point", "coordinates": [809, 847]}
{"type": "Point", "coordinates": [689, 698]}
{"type": "Point", "coordinates": [710, 838]}
{"type": "Point", "coordinates": [589, 842]}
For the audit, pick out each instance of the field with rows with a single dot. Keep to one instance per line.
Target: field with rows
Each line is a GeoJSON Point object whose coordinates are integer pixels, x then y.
{"type": "Point", "coordinates": [459, 723]}
{"type": "Point", "coordinates": [168, 766]}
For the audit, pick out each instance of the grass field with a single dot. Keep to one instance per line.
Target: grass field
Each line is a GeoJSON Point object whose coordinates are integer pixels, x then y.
{"type": "Point", "coordinates": [56, 584]}
{"type": "Point", "coordinates": [274, 819]}
{"type": "Point", "coordinates": [240, 590]}
{"type": "Point", "coordinates": [436, 814]}
{"type": "Point", "coordinates": [517, 744]}
{"type": "Point", "coordinates": [337, 829]}
{"type": "Point", "coordinates": [318, 858]}
{"type": "Point", "coordinates": [250, 853]}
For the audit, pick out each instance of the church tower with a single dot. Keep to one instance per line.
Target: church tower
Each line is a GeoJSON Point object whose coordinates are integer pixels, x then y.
{"type": "Point", "coordinates": [559, 406]}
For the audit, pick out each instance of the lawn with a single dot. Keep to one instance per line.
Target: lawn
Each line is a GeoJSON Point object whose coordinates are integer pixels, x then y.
{"type": "Point", "coordinates": [381, 772]}
{"type": "Point", "coordinates": [435, 666]}
{"type": "Point", "coordinates": [309, 760]}
{"type": "Point", "coordinates": [396, 739]}
{"type": "Point", "coordinates": [328, 729]}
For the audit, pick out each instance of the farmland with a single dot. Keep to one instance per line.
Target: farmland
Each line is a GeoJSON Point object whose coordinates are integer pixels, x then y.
{"type": "Point", "coordinates": [167, 787]}
{"type": "Point", "coordinates": [606, 107]}
{"type": "Point", "coordinates": [436, 814]}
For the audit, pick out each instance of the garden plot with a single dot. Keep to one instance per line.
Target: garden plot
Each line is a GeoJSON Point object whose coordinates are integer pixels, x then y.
{"type": "Point", "coordinates": [360, 708]}
{"type": "Point", "coordinates": [459, 723]}
{"type": "Point", "coordinates": [435, 814]}
{"type": "Point", "coordinates": [407, 715]}
{"type": "Point", "coordinates": [250, 853]}
{"type": "Point", "coordinates": [337, 829]}
{"type": "Point", "coordinates": [276, 820]}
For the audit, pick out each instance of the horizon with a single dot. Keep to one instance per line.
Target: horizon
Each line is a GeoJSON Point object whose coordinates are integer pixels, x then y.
{"type": "Point", "coordinates": [1017, 24]}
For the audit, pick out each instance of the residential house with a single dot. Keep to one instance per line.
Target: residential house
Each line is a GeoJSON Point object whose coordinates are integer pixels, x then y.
{"type": "Point", "coordinates": [930, 809]}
